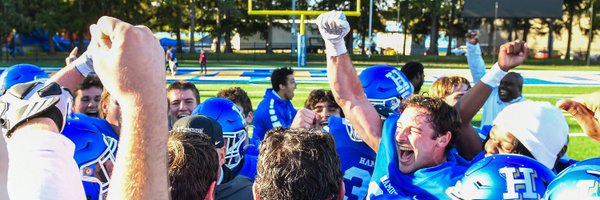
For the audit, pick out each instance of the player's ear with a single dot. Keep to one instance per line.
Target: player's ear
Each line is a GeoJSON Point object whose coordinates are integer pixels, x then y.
{"type": "Point", "coordinates": [342, 190]}
{"type": "Point", "coordinates": [281, 86]}
{"type": "Point", "coordinates": [210, 195]}
{"type": "Point", "coordinates": [249, 117]}
{"type": "Point", "coordinates": [444, 139]}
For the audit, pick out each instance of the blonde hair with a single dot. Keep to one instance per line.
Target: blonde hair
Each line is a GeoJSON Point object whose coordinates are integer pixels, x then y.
{"type": "Point", "coordinates": [104, 99]}
{"type": "Point", "coordinates": [444, 86]}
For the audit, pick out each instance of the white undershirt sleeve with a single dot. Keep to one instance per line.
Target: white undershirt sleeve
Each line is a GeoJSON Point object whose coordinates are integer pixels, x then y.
{"type": "Point", "coordinates": [41, 166]}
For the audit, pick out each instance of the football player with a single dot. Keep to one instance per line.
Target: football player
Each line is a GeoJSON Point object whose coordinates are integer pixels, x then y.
{"type": "Point", "coordinates": [183, 97]}
{"type": "Point", "coordinates": [276, 108]}
{"type": "Point", "coordinates": [298, 164]}
{"type": "Point", "coordinates": [412, 148]}
{"type": "Point", "coordinates": [95, 156]}
{"type": "Point", "coordinates": [238, 170]}
{"type": "Point", "coordinates": [385, 87]}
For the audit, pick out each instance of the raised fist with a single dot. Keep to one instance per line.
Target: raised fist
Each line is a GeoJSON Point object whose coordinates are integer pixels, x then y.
{"type": "Point", "coordinates": [472, 37]}
{"type": "Point", "coordinates": [333, 27]}
{"type": "Point", "coordinates": [34, 99]}
{"type": "Point", "coordinates": [128, 59]}
{"type": "Point", "coordinates": [512, 54]}
{"type": "Point", "coordinates": [305, 118]}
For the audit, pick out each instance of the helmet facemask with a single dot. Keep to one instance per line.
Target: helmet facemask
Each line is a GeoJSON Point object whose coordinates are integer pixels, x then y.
{"type": "Point", "coordinates": [392, 103]}
{"type": "Point", "coordinates": [98, 171]}
{"type": "Point", "coordinates": [235, 142]}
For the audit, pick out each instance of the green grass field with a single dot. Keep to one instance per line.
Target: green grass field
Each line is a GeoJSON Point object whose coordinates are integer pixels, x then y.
{"type": "Point", "coordinates": [580, 147]}
{"type": "Point", "coordinates": [260, 59]}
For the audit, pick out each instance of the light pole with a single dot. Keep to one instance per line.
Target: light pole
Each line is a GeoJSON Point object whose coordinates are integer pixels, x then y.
{"type": "Point", "coordinates": [294, 38]}
{"type": "Point", "coordinates": [405, 29]}
{"type": "Point", "coordinates": [397, 56]}
{"type": "Point", "coordinates": [192, 27]}
{"type": "Point", "coordinates": [370, 26]}
{"type": "Point", "coordinates": [494, 27]}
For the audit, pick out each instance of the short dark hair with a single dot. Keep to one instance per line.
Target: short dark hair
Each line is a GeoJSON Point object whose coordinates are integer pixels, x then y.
{"type": "Point", "coordinates": [193, 165]}
{"type": "Point", "coordinates": [184, 85]}
{"type": "Point", "coordinates": [279, 76]}
{"type": "Point", "coordinates": [298, 164]}
{"type": "Point", "coordinates": [320, 95]}
{"type": "Point", "coordinates": [442, 116]}
{"type": "Point", "coordinates": [238, 96]}
{"type": "Point", "coordinates": [412, 69]}
{"type": "Point", "coordinates": [91, 81]}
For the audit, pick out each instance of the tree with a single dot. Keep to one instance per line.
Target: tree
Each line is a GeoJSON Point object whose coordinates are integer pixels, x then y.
{"type": "Point", "coordinates": [12, 18]}
{"type": "Point", "coordinates": [573, 7]}
{"type": "Point", "coordinates": [51, 19]}
{"type": "Point", "coordinates": [266, 24]}
{"type": "Point", "coordinates": [427, 21]}
{"type": "Point", "coordinates": [229, 22]}
{"type": "Point", "coordinates": [594, 26]}
{"type": "Point", "coordinates": [169, 17]}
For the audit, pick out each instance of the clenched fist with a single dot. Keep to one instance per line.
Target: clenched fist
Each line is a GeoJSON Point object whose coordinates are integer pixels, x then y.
{"type": "Point", "coordinates": [333, 27]}
{"type": "Point", "coordinates": [512, 54]}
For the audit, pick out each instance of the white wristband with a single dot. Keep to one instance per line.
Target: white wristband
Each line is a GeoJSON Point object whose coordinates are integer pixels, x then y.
{"type": "Point", "coordinates": [493, 77]}
{"type": "Point", "coordinates": [84, 64]}
{"type": "Point", "coordinates": [336, 49]}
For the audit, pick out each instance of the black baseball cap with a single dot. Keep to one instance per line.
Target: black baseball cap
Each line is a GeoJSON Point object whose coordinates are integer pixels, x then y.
{"type": "Point", "coordinates": [201, 124]}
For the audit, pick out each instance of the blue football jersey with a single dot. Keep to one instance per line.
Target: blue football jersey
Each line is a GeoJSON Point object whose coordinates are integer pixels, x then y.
{"type": "Point", "coordinates": [248, 168]}
{"type": "Point", "coordinates": [426, 183]}
{"type": "Point", "coordinates": [252, 147]}
{"type": "Point", "coordinates": [357, 158]}
{"type": "Point", "coordinates": [272, 111]}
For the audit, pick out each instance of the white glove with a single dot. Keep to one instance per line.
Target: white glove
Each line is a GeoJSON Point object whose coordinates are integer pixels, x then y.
{"type": "Point", "coordinates": [34, 99]}
{"type": "Point", "coordinates": [333, 26]}
{"type": "Point", "coordinates": [493, 77]}
{"type": "Point", "coordinates": [84, 64]}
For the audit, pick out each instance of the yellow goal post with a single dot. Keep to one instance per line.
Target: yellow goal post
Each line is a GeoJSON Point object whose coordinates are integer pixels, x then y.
{"type": "Point", "coordinates": [303, 14]}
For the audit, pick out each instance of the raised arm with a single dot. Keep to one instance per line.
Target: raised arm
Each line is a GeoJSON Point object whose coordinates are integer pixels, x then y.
{"type": "Point", "coordinates": [511, 55]}
{"type": "Point", "coordinates": [130, 63]}
{"type": "Point", "coordinates": [344, 82]}
{"type": "Point", "coordinates": [474, 59]}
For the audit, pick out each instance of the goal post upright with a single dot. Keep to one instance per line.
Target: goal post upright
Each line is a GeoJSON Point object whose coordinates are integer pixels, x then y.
{"type": "Point", "coordinates": [303, 13]}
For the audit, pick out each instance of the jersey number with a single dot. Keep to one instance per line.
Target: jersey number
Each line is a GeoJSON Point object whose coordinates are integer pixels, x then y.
{"type": "Point", "coordinates": [359, 180]}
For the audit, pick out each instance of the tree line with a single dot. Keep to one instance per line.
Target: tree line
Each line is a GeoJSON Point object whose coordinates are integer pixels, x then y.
{"type": "Point", "coordinates": [224, 18]}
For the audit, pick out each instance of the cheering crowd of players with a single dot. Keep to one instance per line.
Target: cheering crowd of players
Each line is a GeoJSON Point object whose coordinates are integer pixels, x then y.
{"type": "Point", "coordinates": [77, 135]}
